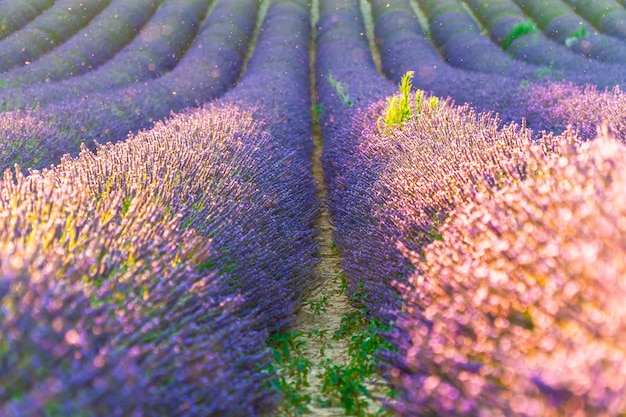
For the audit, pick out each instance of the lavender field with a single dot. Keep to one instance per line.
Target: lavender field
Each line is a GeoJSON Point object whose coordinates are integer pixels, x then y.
{"type": "Point", "coordinates": [409, 208]}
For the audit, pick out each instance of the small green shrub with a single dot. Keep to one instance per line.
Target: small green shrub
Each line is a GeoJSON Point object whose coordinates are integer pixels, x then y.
{"type": "Point", "coordinates": [399, 108]}
{"type": "Point", "coordinates": [523, 28]}
{"type": "Point", "coordinates": [576, 35]}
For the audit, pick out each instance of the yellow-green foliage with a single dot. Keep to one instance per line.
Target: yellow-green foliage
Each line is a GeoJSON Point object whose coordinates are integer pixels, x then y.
{"type": "Point", "coordinates": [399, 108]}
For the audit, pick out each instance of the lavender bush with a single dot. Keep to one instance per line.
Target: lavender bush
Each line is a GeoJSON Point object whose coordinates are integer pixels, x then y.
{"type": "Point", "coordinates": [507, 314]}
{"type": "Point", "coordinates": [137, 216]}
{"type": "Point", "coordinates": [343, 54]}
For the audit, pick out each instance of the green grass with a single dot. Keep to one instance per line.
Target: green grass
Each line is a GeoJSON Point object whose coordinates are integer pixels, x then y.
{"type": "Point", "coordinates": [340, 89]}
{"type": "Point", "coordinates": [343, 385]}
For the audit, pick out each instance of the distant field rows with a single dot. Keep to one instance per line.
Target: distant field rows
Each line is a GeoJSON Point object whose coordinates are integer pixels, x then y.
{"type": "Point", "coordinates": [157, 208]}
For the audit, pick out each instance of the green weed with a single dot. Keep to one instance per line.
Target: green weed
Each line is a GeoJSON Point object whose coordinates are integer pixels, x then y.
{"type": "Point", "coordinates": [340, 89]}
{"type": "Point", "coordinates": [523, 28]}
{"type": "Point", "coordinates": [319, 306]}
{"type": "Point", "coordinates": [292, 369]}
{"type": "Point", "coordinates": [398, 108]}
{"type": "Point", "coordinates": [575, 36]}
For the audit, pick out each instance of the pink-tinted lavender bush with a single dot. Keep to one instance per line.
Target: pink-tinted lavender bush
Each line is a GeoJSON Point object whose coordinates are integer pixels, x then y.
{"type": "Point", "coordinates": [584, 108]}
{"type": "Point", "coordinates": [518, 309]}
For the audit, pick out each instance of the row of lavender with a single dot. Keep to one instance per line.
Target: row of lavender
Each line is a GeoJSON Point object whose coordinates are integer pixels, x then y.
{"type": "Point", "coordinates": [503, 86]}
{"type": "Point", "coordinates": [143, 279]}
{"type": "Point", "coordinates": [500, 256]}
{"type": "Point", "coordinates": [39, 137]}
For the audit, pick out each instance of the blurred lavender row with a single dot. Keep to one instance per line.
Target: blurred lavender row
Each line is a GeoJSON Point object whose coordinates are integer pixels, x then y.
{"type": "Point", "coordinates": [562, 23]}
{"type": "Point", "coordinates": [179, 250]}
{"type": "Point", "coordinates": [90, 47]}
{"type": "Point", "coordinates": [156, 49]}
{"type": "Point", "coordinates": [206, 71]}
{"type": "Point", "coordinates": [460, 41]}
{"type": "Point", "coordinates": [52, 27]}
{"type": "Point", "coordinates": [15, 14]}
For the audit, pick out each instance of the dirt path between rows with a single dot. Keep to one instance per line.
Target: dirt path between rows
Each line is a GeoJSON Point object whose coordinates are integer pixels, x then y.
{"type": "Point", "coordinates": [324, 308]}
{"type": "Point", "coordinates": [310, 321]}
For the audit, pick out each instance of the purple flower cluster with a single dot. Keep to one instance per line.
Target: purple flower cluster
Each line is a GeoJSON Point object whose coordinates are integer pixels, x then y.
{"type": "Point", "coordinates": [517, 309]}
{"type": "Point", "coordinates": [207, 70]}
{"type": "Point", "coordinates": [561, 105]}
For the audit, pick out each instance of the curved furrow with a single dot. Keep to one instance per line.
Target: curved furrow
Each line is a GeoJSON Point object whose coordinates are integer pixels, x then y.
{"type": "Point", "coordinates": [50, 29]}
{"type": "Point", "coordinates": [207, 70]}
{"type": "Point", "coordinates": [98, 42]}
{"type": "Point", "coordinates": [156, 49]}
{"type": "Point", "coordinates": [15, 14]}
